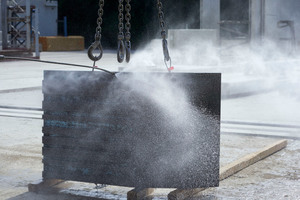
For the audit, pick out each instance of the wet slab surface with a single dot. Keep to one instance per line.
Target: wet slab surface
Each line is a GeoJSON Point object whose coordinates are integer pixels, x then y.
{"type": "Point", "coordinates": [104, 129]}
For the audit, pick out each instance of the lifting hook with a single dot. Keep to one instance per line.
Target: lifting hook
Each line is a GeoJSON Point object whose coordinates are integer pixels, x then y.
{"type": "Point", "coordinates": [128, 50]}
{"type": "Point", "coordinates": [165, 49]}
{"type": "Point", "coordinates": [94, 46]}
{"type": "Point", "coordinates": [121, 51]}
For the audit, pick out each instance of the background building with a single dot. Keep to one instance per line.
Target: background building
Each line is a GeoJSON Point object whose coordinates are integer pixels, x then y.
{"type": "Point", "coordinates": [235, 21]}
{"type": "Point", "coordinates": [256, 21]}
{"type": "Point", "coordinates": [14, 20]}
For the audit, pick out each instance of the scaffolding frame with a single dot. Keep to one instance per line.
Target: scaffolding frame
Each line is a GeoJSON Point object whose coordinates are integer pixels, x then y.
{"type": "Point", "coordinates": [16, 25]}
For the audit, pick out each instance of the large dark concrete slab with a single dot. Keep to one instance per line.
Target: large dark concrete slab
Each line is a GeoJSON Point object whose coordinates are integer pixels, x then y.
{"type": "Point", "coordinates": [124, 131]}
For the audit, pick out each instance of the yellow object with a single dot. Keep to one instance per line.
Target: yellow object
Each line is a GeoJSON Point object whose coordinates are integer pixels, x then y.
{"type": "Point", "coordinates": [60, 43]}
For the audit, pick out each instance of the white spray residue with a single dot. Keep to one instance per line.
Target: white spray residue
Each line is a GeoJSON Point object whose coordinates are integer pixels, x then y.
{"type": "Point", "coordinates": [246, 69]}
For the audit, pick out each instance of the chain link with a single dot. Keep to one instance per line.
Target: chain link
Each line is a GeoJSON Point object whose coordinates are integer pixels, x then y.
{"type": "Point", "coordinates": [121, 46]}
{"type": "Point", "coordinates": [121, 19]}
{"type": "Point", "coordinates": [163, 33]}
{"type": "Point", "coordinates": [128, 18]}
{"type": "Point", "coordinates": [128, 27]}
{"type": "Point", "coordinates": [161, 17]}
{"type": "Point", "coordinates": [99, 20]}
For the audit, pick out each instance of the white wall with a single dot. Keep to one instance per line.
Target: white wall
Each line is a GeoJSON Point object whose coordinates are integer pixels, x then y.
{"type": "Point", "coordinates": [275, 11]}
{"type": "Point", "coordinates": [278, 10]}
{"type": "Point", "coordinates": [210, 14]}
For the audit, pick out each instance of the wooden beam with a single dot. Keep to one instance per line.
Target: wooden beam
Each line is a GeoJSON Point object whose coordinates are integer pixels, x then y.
{"type": "Point", "coordinates": [250, 159]}
{"type": "Point", "coordinates": [232, 169]}
{"type": "Point", "coordinates": [44, 186]}
{"type": "Point", "coordinates": [140, 194]}
{"type": "Point", "coordinates": [181, 194]}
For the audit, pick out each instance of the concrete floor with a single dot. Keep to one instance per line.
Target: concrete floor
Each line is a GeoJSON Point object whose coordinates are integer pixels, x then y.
{"type": "Point", "coordinates": [276, 177]}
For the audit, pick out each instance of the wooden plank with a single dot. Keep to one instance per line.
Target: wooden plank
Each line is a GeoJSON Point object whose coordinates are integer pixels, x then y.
{"type": "Point", "coordinates": [232, 168]}
{"type": "Point", "coordinates": [140, 194]}
{"type": "Point", "coordinates": [180, 194]}
{"type": "Point", "coordinates": [250, 159]}
{"type": "Point", "coordinates": [44, 186]}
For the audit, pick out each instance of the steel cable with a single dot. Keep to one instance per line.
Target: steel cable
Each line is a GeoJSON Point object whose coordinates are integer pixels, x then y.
{"type": "Point", "coordinates": [56, 63]}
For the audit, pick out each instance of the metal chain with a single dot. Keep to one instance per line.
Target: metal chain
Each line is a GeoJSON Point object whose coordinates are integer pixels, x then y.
{"type": "Point", "coordinates": [121, 47]}
{"type": "Point", "coordinates": [162, 24]}
{"type": "Point", "coordinates": [97, 43]}
{"type": "Point", "coordinates": [161, 19]}
{"type": "Point", "coordinates": [121, 18]}
{"type": "Point", "coordinates": [128, 27]}
{"type": "Point", "coordinates": [99, 20]}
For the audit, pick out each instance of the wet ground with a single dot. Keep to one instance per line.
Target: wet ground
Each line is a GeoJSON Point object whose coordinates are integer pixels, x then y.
{"type": "Point", "coordinates": [245, 120]}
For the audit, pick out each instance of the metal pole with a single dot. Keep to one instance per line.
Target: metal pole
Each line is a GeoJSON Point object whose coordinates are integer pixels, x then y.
{"type": "Point", "coordinates": [65, 26]}
{"type": "Point", "coordinates": [250, 21]}
{"type": "Point", "coordinates": [201, 13]}
{"type": "Point", "coordinates": [263, 16]}
{"type": "Point", "coordinates": [37, 46]}
{"type": "Point", "coordinates": [210, 14]}
{"type": "Point", "coordinates": [4, 23]}
{"type": "Point", "coordinates": [28, 42]}
{"type": "Point", "coordinates": [0, 28]}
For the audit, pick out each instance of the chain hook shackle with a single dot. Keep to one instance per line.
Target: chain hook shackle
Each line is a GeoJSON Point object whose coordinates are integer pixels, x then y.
{"type": "Point", "coordinates": [97, 43]}
{"type": "Point", "coordinates": [165, 50]}
{"type": "Point", "coordinates": [92, 48]}
{"type": "Point", "coordinates": [121, 51]}
{"type": "Point", "coordinates": [128, 50]}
